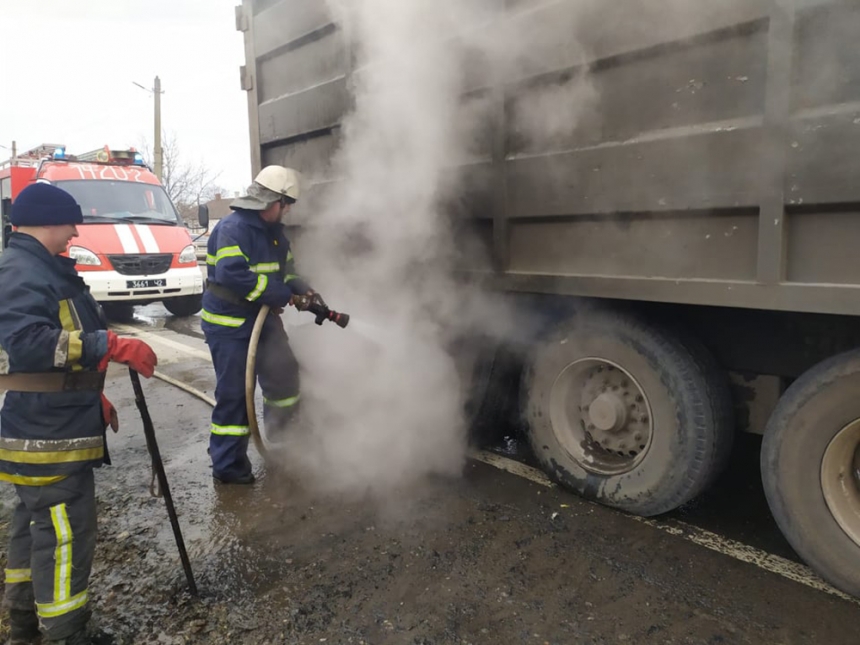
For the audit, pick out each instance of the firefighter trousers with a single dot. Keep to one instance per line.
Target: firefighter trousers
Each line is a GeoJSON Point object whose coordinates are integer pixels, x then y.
{"type": "Point", "coordinates": [278, 374]}
{"type": "Point", "coordinates": [51, 546]}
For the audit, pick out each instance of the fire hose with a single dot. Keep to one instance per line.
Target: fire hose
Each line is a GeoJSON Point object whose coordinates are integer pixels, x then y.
{"type": "Point", "coordinates": [251, 382]}
{"type": "Point", "coordinates": [313, 303]}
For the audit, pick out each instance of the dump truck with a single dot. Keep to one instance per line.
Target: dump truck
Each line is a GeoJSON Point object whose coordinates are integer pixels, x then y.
{"type": "Point", "coordinates": [695, 239]}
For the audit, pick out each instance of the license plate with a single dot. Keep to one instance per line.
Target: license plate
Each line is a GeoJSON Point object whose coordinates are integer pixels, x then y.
{"type": "Point", "coordinates": [145, 284]}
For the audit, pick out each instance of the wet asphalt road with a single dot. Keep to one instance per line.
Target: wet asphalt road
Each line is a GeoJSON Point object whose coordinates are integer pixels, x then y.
{"type": "Point", "coordinates": [488, 557]}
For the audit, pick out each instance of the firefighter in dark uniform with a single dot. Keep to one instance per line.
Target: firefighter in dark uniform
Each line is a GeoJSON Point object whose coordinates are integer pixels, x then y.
{"type": "Point", "coordinates": [250, 264]}
{"type": "Point", "coordinates": [54, 350]}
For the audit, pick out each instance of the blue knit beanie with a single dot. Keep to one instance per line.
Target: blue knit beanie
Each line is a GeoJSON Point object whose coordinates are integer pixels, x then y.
{"type": "Point", "coordinates": [42, 204]}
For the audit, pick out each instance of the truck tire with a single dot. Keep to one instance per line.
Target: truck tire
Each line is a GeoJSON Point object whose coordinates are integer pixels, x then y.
{"type": "Point", "coordinates": [498, 413]}
{"type": "Point", "coordinates": [184, 306]}
{"type": "Point", "coordinates": [490, 377]}
{"type": "Point", "coordinates": [810, 467]}
{"type": "Point", "coordinates": [626, 413]}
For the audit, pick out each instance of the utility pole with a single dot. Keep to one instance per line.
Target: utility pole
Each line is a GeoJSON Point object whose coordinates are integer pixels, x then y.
{"type": "Point", "coordinates": [157, 151]}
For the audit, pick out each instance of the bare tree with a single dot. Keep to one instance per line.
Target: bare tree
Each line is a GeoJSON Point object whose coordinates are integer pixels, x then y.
{"type": "Point", "coordinates": [187, 183]}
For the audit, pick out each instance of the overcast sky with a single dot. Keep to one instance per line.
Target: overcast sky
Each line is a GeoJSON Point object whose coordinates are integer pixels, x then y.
{"type": "Point", "coordinates": [68, 66]}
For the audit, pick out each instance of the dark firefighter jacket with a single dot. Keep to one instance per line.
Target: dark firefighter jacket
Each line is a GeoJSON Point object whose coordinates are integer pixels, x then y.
{"type": "Point", "coordinates": [48, 323]}
{"type": "Point", "coordinates": [253, 261]}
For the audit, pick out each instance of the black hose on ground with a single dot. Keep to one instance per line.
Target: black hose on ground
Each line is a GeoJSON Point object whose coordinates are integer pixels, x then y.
{"type": "Point", "coordinates": [158, 466]}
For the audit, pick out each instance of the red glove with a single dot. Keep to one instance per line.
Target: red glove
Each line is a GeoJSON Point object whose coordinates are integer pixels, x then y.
{"type": "Point", "coordinates": [132, 352]}
{"type": "Point", "coordinates": [109, 413]}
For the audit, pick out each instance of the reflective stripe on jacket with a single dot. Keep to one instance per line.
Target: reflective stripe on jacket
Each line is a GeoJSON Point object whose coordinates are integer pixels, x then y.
{"type": "Point", "coordinates": [254, 261]}
{"type": "Point", "coordinates": [48, 323]}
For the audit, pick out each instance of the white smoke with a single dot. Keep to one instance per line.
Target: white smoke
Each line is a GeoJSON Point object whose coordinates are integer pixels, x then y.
{"type": "Point", "coordinates": [382, 399]}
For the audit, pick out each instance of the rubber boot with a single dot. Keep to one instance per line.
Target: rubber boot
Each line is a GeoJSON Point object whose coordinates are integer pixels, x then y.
{"type": "Point", "coordinates": [247, 478]}
{"type": "Point", "coordinates": [23, 627]}
{"type": "Point", "coordinates": [80, 637]}
{"type": "Point", "coordinates": [244, 479]}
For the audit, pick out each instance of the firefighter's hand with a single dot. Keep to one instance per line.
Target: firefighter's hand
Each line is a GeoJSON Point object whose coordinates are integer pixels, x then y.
{"type": "Point", "coordinates": [109, 413]}
{"type": "Point", "coordinates": [132, 352]}
{"type": "Point", "coordinates": [305, 301]}
{"type": "Point", "coordinates": [301, 302]}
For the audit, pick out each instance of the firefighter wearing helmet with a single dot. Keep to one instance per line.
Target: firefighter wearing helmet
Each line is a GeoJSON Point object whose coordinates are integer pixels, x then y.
{"type": "Point", "coordinates": [250, 264]}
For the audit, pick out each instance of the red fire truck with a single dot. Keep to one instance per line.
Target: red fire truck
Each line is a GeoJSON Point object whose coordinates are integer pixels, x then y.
{"type": "Point", "coordinates": [133, 248]}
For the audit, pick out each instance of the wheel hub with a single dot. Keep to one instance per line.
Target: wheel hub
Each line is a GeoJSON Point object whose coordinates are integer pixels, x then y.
{"type": "Point", "coordinates": [608, 412]}
{"type": "Point", "coordinates": [601, 416]}
{"type": "Point", "coordinates": [840, 479]}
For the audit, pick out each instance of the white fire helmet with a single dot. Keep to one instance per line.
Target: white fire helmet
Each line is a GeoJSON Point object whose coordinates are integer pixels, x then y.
{"type": "Point", "coordinates": [270, 185]}
{"type": "Point", "coordinates": [284, 181]}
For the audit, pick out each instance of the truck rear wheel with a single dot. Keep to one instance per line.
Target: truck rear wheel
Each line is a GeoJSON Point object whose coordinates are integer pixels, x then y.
{"type": "Point", "coordinates": [627, 414]}
{"type": "Point", "coordinates": [810, 464]}
{"type": "Point", "coordinates": [184, 306]}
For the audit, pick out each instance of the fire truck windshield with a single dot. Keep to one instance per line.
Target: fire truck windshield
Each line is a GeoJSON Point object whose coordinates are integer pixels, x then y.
{"type": "Point", "coordinates": [103, 201]}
